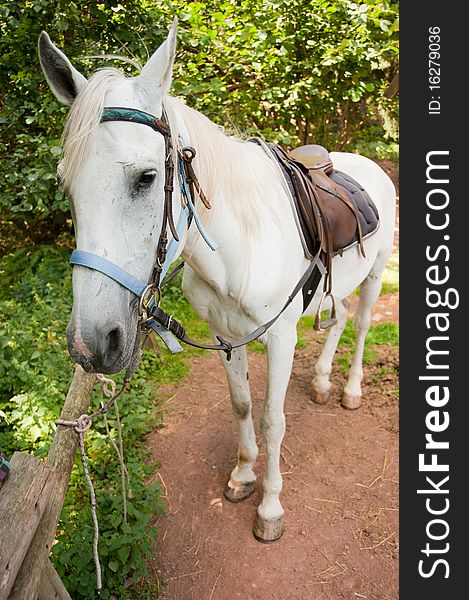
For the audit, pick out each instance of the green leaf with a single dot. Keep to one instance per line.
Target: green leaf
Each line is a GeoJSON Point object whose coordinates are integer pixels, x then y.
{"type": "Point", "coordinates": [35, 432]}
{"type": "Point", "coordinates": [385, 24]}
{"type": "Point", "coordinates": [123, 553]}
{"type": "Point", "coordinates": [114, 565]}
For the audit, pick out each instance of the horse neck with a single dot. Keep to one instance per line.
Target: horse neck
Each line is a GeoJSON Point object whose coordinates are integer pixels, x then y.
{"type": "Point", "coordinates": [235, 176]}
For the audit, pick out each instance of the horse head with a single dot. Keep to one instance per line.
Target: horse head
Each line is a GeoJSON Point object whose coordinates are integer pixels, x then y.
{"type": "Point", "coordinates": [114, 175]}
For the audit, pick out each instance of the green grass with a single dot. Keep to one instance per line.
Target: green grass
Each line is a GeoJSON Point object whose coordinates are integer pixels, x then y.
{"type": "Point", "coordinates": [147, 590]}
{"type": "Point", "coordinates": [379, 334]}
{"type": "Point", "coordinates": [305, 324]}
{"type": "Point", "coordinates": [384, 372]}
{"type": "Point", "coordinates": [391, 275]}
{"type": "Point", "coordinates": [257, 347]}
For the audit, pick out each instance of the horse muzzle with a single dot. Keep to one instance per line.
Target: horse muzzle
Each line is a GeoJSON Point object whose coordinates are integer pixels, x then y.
{"type": "Point", "coordinates": [102, 348]}
{"type": "Point", "coordinates": [102, 329]}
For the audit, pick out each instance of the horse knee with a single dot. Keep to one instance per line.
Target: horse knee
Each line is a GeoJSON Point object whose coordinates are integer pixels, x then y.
{"type": "Point", "coordinates": [272, 427]}
{"type": "Point", "coordinates": [362, 321]}
{"type": "Point", "coordinates": [241, 408]}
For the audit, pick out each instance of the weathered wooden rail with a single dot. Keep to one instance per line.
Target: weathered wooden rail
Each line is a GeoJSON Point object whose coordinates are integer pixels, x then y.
{"type": "Point", "coordinates": [31, 500]}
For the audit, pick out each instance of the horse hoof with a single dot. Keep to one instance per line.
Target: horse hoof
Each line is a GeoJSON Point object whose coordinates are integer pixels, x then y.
{"type": "Point", "coordinates": [237, 492]}
{"type": "Point", "coordinates": [351, 402]}
{"type": "Point", "coordinates": [320, 397]}
{"type": "Point", "coordinates": [268, 531]}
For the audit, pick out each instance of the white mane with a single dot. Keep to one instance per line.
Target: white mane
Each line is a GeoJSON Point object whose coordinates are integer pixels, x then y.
{"type": "Point", "coordinates": [229, 169]}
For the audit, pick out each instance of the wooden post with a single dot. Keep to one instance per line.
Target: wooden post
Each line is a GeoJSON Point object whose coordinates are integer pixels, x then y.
{"type": "Point", "coordinates": [51, 586]}
{"type": "Point", "coordinates": [23, 499]}
{"type": "Point", "coordinates": [61, 457]}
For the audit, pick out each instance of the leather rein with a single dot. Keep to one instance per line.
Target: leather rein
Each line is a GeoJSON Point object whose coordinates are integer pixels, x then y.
{"type": "Point", "coordinates": [151, 315]}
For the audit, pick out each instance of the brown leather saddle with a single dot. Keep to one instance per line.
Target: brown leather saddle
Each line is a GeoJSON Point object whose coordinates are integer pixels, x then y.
{"type": "Point", "coordinates": [324, 205]}
{"type": "Point", "coordinates": [334, 211]}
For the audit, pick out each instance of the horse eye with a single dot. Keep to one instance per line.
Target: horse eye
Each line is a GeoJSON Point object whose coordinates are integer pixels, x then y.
{"type": "Point", "coordinates": [146, 180]}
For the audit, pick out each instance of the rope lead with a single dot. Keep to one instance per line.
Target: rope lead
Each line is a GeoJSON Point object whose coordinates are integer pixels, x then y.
{"type": "Point", "coordinates": [107, 388]}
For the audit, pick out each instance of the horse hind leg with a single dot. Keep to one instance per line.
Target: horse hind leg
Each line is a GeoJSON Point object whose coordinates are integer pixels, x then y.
{"type": "Point", "coordinates": [369, 293]}
{"type": "Point", "coordinates": [242, 479]}
{"type": "Point", "coordinates": [321, 384]}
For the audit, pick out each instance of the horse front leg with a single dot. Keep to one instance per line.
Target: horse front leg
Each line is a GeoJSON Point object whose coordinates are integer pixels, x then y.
{"type": "Point", "coordinates": [242, 479]}
{"type": "Point", "coordinates": [268, 526]}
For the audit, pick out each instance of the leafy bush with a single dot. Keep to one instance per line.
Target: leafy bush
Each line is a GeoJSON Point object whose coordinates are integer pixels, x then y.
{"type": "Point", "coordinates": [292, 71]}
{"type": "Point", "coordinates": [34, 366]}
{"type": "Point", "coordinates": [35, 372]}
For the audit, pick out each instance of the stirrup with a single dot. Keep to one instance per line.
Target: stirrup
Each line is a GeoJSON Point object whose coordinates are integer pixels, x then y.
{"type": "Point", "coordinates": [326, 323]}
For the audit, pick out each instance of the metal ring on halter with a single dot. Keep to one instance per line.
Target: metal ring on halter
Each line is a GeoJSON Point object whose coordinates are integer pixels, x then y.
{"type": "Point", "coordinates": [148, 294]}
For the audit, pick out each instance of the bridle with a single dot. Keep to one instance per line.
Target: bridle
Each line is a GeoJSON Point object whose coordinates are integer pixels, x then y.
{"type": "Point", "coordinates": [150, 315]}
{"type": "Point", "coordinates": [152, 289]}
{"type": "Point", "coordinates": [149, 294]}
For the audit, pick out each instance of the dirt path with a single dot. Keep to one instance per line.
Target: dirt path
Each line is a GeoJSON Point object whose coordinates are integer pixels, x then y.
{"type": "Point", "coordinates": [340, 490]}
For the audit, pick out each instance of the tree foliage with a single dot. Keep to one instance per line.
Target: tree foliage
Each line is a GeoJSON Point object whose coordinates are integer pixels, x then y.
{"type": "Point", "coordinates": [292, 71]}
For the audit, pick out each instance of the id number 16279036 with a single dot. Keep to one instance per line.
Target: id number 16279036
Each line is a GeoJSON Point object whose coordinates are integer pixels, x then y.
{"type": "Point", "coordinates": [434, 69]}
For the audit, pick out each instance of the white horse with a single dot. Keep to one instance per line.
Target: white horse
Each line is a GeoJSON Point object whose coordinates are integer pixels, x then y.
{"type": "Point", "coordinates": [114, 175]}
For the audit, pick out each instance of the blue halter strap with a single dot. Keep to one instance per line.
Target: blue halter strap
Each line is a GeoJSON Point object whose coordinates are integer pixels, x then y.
{"type": "Point", "coordinates": [98, 263]}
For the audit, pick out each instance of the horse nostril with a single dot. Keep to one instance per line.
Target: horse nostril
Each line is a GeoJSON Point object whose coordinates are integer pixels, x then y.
{"type": "Point", "coordinates": [110, 350]}
{"type": "Point", "coordinates": [114, 338]}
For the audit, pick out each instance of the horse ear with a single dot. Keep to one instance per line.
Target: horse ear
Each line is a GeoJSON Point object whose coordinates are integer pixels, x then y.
{"type": "Point", "coordinates": [157, 74]}
{"type": "Point", "coordinates": [64, 80]}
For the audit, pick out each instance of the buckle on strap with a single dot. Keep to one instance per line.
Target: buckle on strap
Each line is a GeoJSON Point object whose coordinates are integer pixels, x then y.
{"type": "Point", "coordinates": [150, 298]}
